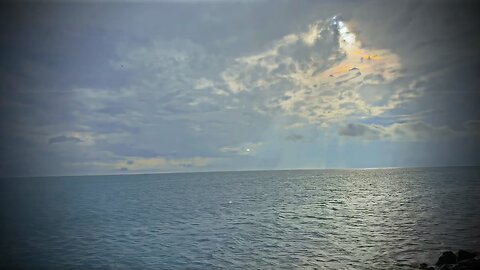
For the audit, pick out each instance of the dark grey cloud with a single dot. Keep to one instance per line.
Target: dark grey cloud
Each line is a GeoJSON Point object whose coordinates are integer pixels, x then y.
{"type": "Point", "coordinates": [432, 37]}
{"type": "Point", "coordinates": [294, 137]}
{"type": "Point", "coordinates": [472, 126]}
{"type": "Point", "coordinates": [359, 130]}
{"type": "Point", "coordinates": [64, 139]}
{"type": "Point", "coordinates": [413, 131]}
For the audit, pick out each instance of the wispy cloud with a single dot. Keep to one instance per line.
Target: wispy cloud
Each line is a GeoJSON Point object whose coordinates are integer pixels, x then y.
{"type": "Point", "coordinates": [407, 131]}
{"type": "Point", "coordinates": [64, 139]}
{"type": "Point", "coordinates": [163, 164]}
{"type": "Point", "coordinates": [294, 137]}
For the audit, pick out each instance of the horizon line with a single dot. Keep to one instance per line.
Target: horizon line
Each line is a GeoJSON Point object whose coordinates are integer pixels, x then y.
{"type": "Point", "coordinates": [246, 170]}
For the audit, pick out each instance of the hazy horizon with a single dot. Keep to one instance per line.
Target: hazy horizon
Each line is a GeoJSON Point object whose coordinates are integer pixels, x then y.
{"type": "Point", "coordinates": [246, 170]}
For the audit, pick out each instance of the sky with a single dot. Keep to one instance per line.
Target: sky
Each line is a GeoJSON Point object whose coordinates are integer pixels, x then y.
{"type": "Point", "coordinates": [182, 86]}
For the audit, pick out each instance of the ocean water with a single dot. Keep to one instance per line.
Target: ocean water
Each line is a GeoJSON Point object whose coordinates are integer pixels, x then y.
{"type": "Point", "coordinates": [324, 219]}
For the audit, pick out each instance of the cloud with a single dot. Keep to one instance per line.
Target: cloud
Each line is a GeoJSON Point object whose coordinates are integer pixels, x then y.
{"type": "Point", "coordinates": [408, 131]}
{"type": "Point", "coordinates": [360, 130]}
{"type": "Point", "coordinates": [472, 126]}
{"type": "Point", "coordinates": [295, 126]}
{"type": "Point", "coordinates": [164, 164]}
{"type": "Point", "coordinates": [317, 74]}
{"type": "Point", "coordinates": [178, 91]}
{"type": "Point", "coordinates": [421, 131]}
{"type": "Point", "coordinates": [246, 149]}
{"type": "Point", "coordinates": [173, 106]}
{"type": "Point", "coordinates": [64, 139]}
{"type": "Point", "coordinates": [148, 91]}
{"type": "Point", "coordinates": [294, 137]}
{"type": "Point", "coordinates": [127, 150]}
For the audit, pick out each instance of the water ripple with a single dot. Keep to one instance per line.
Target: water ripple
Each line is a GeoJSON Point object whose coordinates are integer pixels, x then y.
{"type": "Point", "coordinates": [337, 219]}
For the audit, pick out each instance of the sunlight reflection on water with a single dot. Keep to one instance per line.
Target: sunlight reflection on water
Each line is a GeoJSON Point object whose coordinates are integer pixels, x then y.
{"type": "Point", "coordinates": [329, 219]}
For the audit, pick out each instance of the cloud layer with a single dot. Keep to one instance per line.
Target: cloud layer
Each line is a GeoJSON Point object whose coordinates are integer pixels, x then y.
{"type": "Point", "coordinates": [307, 87]}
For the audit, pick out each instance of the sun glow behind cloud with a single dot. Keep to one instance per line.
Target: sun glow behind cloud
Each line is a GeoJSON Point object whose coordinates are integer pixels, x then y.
{"type": "Point", "coordinates": [320, 73]}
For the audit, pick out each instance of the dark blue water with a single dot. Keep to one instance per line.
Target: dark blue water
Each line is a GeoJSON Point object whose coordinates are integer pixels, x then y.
{"type": "Point", "coordinates": [325, 219]}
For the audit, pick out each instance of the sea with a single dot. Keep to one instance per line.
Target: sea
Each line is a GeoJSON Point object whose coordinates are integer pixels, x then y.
{"type": "Point", "coordinates": [293, 219]}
